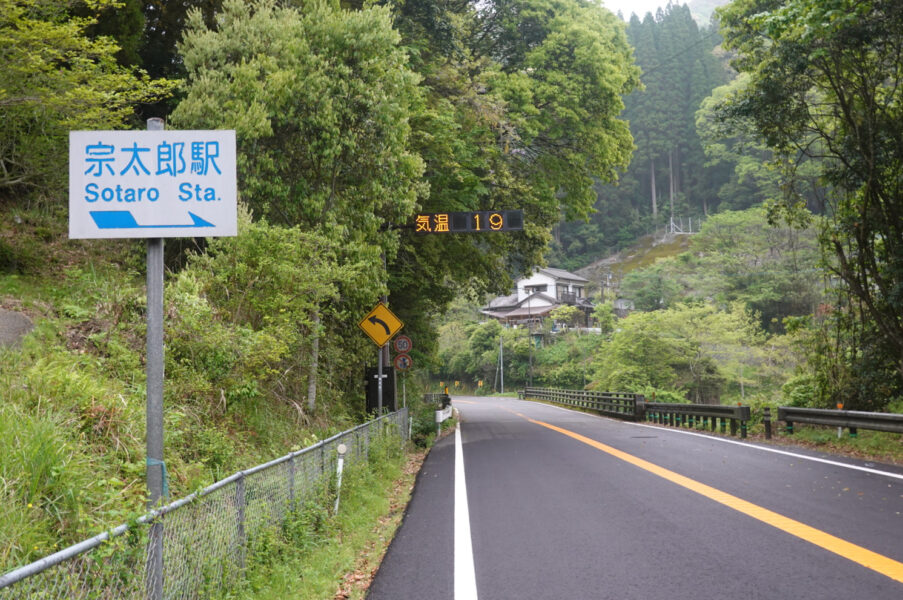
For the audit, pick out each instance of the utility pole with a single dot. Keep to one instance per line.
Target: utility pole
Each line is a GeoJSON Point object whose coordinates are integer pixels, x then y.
{"type": "Point", "coordinates": [501, 363]}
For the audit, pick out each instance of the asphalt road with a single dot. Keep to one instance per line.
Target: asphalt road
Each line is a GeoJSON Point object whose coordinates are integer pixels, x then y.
{"type": "Point", "coordinates": [564, 505]}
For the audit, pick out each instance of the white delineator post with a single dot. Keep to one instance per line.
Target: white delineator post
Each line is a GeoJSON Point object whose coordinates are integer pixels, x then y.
{"type": "Point", "coordinates": [342, 449]}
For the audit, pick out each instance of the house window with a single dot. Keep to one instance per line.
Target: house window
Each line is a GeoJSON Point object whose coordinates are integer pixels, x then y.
{"type": "Point", "coordinates": [533, 289]}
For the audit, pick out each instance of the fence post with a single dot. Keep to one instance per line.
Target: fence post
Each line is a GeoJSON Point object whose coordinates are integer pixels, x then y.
{"type": "Point", "coordinates": [766, 419]}
{"type": "Point", "coordinates": [240, 526]}
{"type": "Point", "coordinates": [639, 408]}
{"type": "Point", "coordinates": [291, 483]}
{"type": "Point", "coordinates": [733, 426]}
{"type": "Point", "coordinates": [154, 583]}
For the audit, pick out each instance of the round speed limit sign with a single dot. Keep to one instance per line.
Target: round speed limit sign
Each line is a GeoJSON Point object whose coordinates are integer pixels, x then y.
{"type": "Point", "coordinates": [403, 344]}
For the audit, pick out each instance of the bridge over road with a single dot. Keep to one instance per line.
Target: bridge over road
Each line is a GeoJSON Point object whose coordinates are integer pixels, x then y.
{"type": "Point", "coordinates": [530, 501]}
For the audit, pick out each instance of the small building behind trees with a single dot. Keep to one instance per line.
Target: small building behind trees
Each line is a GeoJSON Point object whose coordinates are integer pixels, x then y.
{"type": "Point", "coordinates": [536, 296]}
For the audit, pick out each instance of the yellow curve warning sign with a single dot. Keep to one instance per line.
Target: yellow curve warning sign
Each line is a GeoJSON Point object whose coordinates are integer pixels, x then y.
{"type": "Point", "coordinates": [381, 324]}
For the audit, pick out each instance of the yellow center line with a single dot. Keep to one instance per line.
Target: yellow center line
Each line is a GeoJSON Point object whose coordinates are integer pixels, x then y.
{"type": "Point", "coordinates": [865, 557]}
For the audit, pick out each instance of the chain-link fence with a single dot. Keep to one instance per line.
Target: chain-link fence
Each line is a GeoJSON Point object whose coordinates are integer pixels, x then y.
{"type": "Point", "coordinates": [197, 545]}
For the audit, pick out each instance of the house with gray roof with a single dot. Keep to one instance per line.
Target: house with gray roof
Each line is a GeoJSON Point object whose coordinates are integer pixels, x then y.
{"type": "Point", "coordinates": [538, 295]}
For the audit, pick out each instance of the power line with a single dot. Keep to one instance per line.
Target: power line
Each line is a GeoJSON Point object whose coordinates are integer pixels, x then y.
{"type": "Point", "coordinates": [681, 52]}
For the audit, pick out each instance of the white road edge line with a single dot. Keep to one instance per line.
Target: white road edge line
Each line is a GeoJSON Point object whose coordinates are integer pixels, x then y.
{"type": "Point", "coordinates": [744, 444]}
{"type": "Point", "coordinates": [465, 576]}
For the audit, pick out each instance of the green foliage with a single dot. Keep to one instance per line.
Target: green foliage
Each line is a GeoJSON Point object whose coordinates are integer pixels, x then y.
{"type": "Point", "coordinates": [604, 315]}
{"type": "Point", "coordinates": [57, 78]}
{"type": "Point", "coordinates": [738, 256]}
{"type": "Point", "coordinates": [824, 93]}
{"type": "Point", "coordinates": [320, 100]}
{"type": "Point", "coordinates": [800, 391]}
{"type": "Point", "coordinates": [238, 335]}
{"type": "Point", "coordinates": [652, 288]}
{"type": "Point", "coordinates": [165, 24]}
{"type": "Point", "coordinates": [668, 173]}
{"type": "Point", "coordinates": [423, 426]}
{"type": "Point", "coordinates": [313, 549]}
{"type": "Point", "coordinates": [504, 123]}
{"type": "Point", "coordinates": [754, 179]}
{"type": "Point", "coordinates": [569, 316]}
{"type": "Point", "coordinates": [699, 351]}
{"type": "Point", "coordinates": [243, 324]}
{"type": "Point", "coordinates": [567, 362]}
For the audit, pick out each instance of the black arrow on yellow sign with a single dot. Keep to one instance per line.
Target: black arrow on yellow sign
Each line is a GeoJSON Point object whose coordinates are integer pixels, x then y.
{"type": "Point", "coordinates": [385, 325]}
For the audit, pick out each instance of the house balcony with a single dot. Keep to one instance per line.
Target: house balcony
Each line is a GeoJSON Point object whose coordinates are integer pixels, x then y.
{"type": "Point", "coordinates": [567, 298]}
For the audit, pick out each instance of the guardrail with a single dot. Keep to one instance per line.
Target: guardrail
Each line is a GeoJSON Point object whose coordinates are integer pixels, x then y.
{"type": "Point", "coordinates": [205, 535]}
{"type": "Point", "coordinates": [443, 400]}
{"type": "Point", "coordinates": [612, 404]}
{"type": "Point", "coordinates": [633, 407]}
{"type": "Point", "coordinates": [851, 419]}
{"type": "Point", "coordinates": [699, 415]}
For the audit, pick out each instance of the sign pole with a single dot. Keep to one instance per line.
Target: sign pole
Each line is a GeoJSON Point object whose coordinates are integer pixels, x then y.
{"type": "Point", "coordinates": [154, 424]}
{"type": "Point", "coordinates": [379, 384]}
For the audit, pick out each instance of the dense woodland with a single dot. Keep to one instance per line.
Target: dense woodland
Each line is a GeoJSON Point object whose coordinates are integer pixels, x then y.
{"type": "Point", "coordinates": [670, 174]}
{"type": "Point", "coordinates": [779, 124]}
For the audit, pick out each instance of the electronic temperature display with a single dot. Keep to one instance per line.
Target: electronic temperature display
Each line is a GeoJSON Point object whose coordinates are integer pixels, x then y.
{"type": "Point", "coordinates": [469, 222]}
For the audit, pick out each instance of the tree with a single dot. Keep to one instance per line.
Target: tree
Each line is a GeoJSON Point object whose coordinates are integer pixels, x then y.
{"type": "Point", "coordinates": [571, 316]}
{"type": "Point", "coordinates": [652, 288]}
{"type": "Point", "coordinates": [754, 180]}
{"type": "Point", "coordinates": [668, 167]}
{"type": "Point", "coordinates": [165, 23]}
{"type": "Point", "coordinates": [279, 295]}
{"type": "Point", "coordinates": [506, 121]}
{"type": "Point", "coordinates": [695, 350]}
{"type": "Point", "coordinates": [825, 87]}
{"type": "Point", "coordinates": [320, 100]}
{"type": "Point", "coordinates": [564, 67]}
{"type": "Point", "coordinates": [604, 314]}
{"type": "Point", "coordinates": [56, 78]}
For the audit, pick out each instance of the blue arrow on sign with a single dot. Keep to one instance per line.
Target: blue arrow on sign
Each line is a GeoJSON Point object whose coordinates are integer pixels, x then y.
{"type": "Point", "coordinates": [123, 219]}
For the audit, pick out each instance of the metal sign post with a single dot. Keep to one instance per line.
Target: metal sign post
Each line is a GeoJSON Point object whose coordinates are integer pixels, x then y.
{"type": "Point", "coordinates": [402, 363]}
{"type": "Point", "coordinates": [156, 471]}
{"type": "Point", "coordinates": [379, 383]}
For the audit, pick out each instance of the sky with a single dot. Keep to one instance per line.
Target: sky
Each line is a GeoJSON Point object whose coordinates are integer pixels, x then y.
{"type": "Point", "coordinates": [640, 7]}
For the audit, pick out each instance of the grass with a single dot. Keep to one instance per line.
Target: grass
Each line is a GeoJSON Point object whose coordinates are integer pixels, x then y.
{"type": "Point", "coordinates": [877, 446]}
{"type": "Point", "coordinates": [646, 252]}
{"type": "Point", "coordinates": [72, 416]}
{"type": "Point", "coordinates": [318, 555]}
{"type": "Point", "coordinates": [643, 253]}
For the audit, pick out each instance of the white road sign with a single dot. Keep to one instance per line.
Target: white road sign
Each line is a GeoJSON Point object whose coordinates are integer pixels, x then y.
{"type": "Point", "coordinates": [152, 184]}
